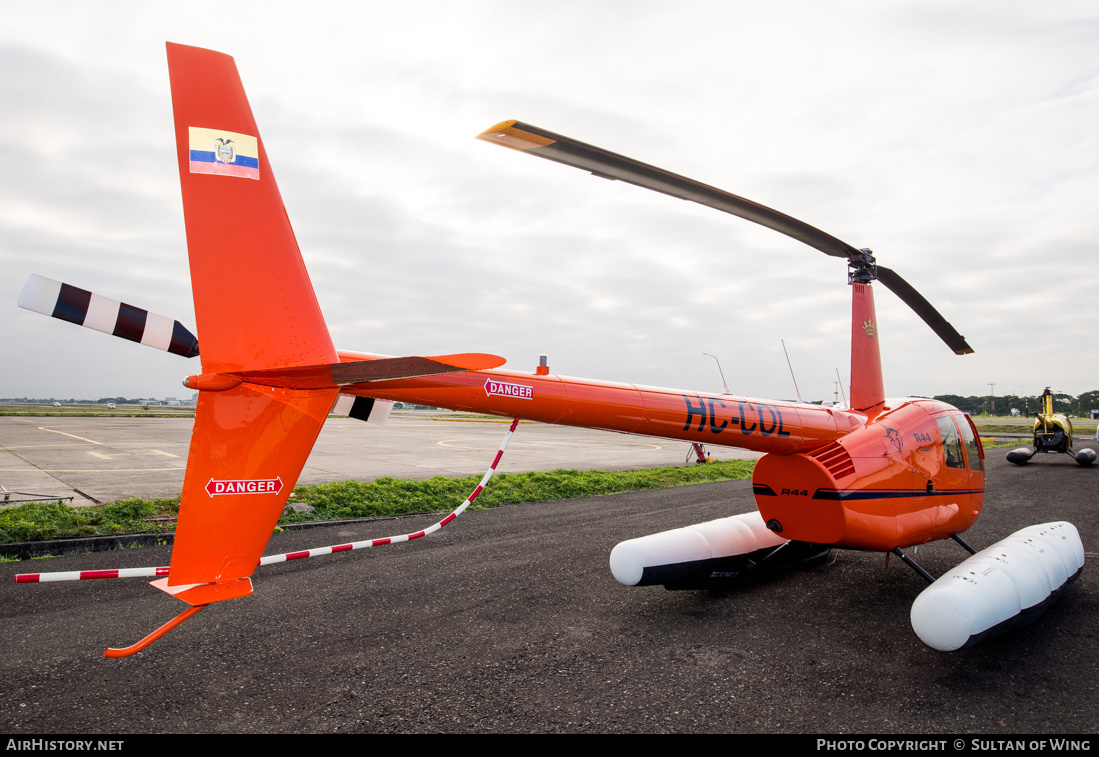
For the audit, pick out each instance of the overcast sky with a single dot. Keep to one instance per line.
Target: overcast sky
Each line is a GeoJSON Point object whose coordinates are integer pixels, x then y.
{"type": "Point", "coordinates": [959, 141]}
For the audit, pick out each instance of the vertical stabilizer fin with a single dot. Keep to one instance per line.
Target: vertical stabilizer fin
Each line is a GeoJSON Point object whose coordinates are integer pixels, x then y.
{"type": "Point", "coordinates": [255, 310]}
{"type": "Point", "coordinates": [254, 304]}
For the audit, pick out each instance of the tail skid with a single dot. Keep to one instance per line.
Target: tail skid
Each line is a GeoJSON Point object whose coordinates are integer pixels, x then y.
{"type": "Point", "coordinates": [158, 633]}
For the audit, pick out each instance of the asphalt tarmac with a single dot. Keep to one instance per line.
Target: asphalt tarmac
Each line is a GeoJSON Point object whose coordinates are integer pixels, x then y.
{"type": "Point", "coordinates": [508, 620]}
{"type": "Point", "coordinates": [109, 459]}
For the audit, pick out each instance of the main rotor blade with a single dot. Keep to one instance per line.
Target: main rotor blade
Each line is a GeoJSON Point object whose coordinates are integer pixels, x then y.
{"type": "Point", "coordinates": [608, 165]}
{"type": "Point", "coordinates": [924, 309]}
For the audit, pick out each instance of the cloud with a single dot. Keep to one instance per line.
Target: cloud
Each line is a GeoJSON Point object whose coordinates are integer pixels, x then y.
{"type": "Point", "coordinates": [955, 141]}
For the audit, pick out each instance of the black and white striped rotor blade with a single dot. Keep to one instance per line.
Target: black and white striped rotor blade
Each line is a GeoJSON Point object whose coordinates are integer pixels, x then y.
{"type": "Point", "coordinates": [84, 308]}
{"type": "Point", "coordinates": [363, 409]}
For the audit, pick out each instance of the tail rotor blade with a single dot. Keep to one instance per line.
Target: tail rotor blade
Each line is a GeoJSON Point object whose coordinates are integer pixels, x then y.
{"type": "Point", "coordinates": [924, 309]}
{"type": "Point", "coordinates": [68, 303]}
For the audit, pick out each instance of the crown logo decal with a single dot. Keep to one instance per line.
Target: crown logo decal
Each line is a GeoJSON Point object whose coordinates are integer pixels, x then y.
{"type": "Point", "coordinates": [869, 328]}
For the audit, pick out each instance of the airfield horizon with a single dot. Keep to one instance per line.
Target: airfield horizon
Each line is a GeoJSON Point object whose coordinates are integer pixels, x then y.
{"type": "Point", "coordinates": [99, 458]}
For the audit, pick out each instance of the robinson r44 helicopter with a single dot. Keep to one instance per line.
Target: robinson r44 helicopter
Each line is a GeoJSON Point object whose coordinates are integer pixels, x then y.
{"type": "Point", "coordinates": [877, 474]}
{"type": "Point", "coordinates": [1052, 433]}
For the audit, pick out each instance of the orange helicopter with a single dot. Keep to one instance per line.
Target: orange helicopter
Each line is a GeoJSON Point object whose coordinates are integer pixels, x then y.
{"type": "Point", "coordinates": [873, 474]}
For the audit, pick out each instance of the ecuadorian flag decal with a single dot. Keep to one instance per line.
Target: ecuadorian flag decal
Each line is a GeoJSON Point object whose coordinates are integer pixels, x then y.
{"type": "Point", "coordinates": [224, 153]}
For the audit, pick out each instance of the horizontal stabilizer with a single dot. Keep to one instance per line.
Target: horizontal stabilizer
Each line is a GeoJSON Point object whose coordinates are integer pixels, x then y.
{"type": "Point", "coordinates": [362, 371]}
{"type": "Point", "coordinates": [94, 311]}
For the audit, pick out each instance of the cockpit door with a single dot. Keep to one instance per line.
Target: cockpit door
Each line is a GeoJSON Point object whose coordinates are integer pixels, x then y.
{"type": "Point", "coordinates": [952, 484]}
{"type": "Point", "coordinates": [974, 454]}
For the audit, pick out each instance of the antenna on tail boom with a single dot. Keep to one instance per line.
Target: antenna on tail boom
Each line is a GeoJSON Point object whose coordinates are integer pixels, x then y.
{"type": "Point", "coordinates": [796, 390]}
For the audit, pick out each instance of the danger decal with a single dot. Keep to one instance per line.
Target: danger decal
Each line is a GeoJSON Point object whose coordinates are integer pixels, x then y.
{"type": "Point", "coordinates": [503, 389]}
{"type": "Point", "coordinates": [217, 488]}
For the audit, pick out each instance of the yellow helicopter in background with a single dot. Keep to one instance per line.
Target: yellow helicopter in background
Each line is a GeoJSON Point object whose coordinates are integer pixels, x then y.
{"type": "Point", "coordinates": [1052, 433]}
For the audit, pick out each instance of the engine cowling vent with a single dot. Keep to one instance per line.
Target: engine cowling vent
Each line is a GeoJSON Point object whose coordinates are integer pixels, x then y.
{"type": "Point", "coordinates": [835, 459]}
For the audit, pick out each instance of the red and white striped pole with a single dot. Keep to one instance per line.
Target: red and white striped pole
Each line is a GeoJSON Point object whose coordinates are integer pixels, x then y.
{"type": "Point", "coordinates": [271, 559]}
{"type": "Point", "coordinates": [85, 575]}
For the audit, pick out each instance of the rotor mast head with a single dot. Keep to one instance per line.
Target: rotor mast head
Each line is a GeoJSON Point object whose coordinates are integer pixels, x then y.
{"type": "Point", "coordinates": [862, 268]}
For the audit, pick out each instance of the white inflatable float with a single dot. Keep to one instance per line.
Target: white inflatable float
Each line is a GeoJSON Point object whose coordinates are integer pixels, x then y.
{"type": "Point", "coordinates": [1007, 584]}
{"type": "Point", "coordinates": [689, 557]}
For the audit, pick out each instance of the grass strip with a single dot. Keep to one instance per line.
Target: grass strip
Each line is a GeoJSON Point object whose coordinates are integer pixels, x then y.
{"type": "Point", "coordinates": [37, 521]}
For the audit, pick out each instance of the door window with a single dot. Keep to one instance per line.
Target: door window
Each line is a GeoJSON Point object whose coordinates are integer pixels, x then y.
{"type": "Point", "coordinates": [971, 450]}
{"type": "Point", "coordinates": [952, 445]}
